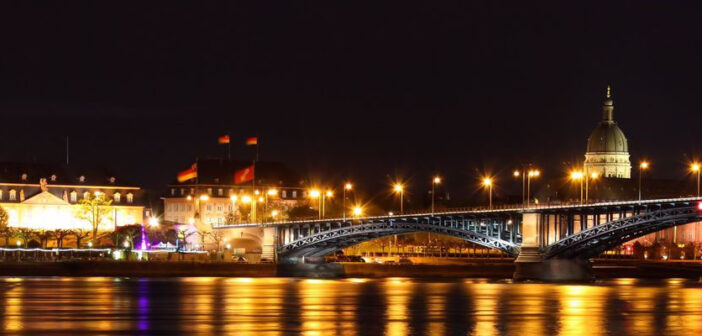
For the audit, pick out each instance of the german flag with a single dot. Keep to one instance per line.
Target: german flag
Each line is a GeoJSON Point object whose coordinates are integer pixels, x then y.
{"type": "Point", "coordinates": [244, 175]}
{"type": "Point", "coordinates": [188, 174]}
{"type": "Point", "coordinates": [252, 141]}
{"type": "Point", "coordinates": [224, 139]}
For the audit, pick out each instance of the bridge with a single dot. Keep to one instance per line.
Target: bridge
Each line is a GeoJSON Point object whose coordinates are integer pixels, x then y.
{"type": "Point", "coordinates": [548, 241]}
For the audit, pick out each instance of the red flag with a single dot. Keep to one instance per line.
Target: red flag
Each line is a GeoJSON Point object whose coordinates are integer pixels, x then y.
{"type": "Point", "coordinates": [244, 175]}
{"type": "Point", "coordinates": [252, 141]}
{"type": "Point", "coordinates": [224, 139]}
{"type": "Point", "coordinates": [188, 174]}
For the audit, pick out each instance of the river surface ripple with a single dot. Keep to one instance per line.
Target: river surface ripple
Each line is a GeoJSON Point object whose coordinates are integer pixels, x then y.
{"type": "Point", "coordinates": [394, 306]}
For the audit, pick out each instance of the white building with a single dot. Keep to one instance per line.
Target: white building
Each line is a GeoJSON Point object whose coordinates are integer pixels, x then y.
{"type": "Point", "coordinates": [607, 148]}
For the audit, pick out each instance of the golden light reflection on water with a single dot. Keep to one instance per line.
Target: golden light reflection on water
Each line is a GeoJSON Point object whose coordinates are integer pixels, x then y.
{"type": "Point", "coordinates": [393, 306]}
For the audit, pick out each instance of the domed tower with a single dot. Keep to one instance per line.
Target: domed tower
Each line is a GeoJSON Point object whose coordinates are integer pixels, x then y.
{"type": "Point", "coordinates": [607, 149]}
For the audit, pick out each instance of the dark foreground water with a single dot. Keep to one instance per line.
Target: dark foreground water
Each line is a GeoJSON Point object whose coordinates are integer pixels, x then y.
{"type": "Point", "coordinates": [280, 306]}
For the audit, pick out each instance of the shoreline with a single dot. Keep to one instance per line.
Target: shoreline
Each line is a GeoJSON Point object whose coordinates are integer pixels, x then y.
{"type": "Point", "coordinates": [602, 269]}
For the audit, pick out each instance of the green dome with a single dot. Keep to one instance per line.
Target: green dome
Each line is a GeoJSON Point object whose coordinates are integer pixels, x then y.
{"type": "Point", "coordinates": [606, 138]}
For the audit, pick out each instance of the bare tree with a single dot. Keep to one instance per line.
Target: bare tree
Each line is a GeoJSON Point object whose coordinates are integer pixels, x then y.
{"type": "Point", "coordinates": [80, 234]}
{"type": "Point", "coordinates": [60, 235]}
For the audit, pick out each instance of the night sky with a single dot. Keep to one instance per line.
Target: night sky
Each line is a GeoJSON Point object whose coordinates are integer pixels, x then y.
{"type": "Point", "coordinates": [365, 91]}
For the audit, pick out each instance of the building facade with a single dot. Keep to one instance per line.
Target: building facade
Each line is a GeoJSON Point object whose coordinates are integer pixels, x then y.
{"type": "Point", "coordinates": [47, 197]}
{"type": "Point", "coordinates": [607, 148]}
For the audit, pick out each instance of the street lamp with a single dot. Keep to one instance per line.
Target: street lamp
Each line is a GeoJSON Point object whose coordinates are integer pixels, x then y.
{"type": "Point", "coordinates": [347, 187]}
{"type": "Point", "coordinates": [400, 189]}
{"type": "Point", "coordinates": [594, 176]}
{"type": "Point", "coordinates": [578, 176]}
{"type": "Point", "coordinates": [153, 222]}
{"type": "Point", "coordinates": [487, 183]}
{"type": "Point", "coordinates": [357, 211]}
{"type": "Point", "coordinates": [434, 182]}
{"type": "Point", "coordinates": [695, 168]}
{"type": "Point", "coordinates": [532, 173]}
{"type": "Point", "coordinates": [642, 166]}
{"type": "Point", "coordinates": [322, 196]}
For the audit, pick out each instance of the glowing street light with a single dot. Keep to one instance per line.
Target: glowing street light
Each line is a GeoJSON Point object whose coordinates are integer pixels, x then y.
{"type": "Point", "coordinates": [347, 187]}
{"type": "Point", "coordinates": [153, 222]}
{"type": "Point", "coordinates": [322, 196]}
{"type": "Point", "coordinates": [204, 197]}
{"type": "Point", "coordinates": [532, 173]}
{"type": "Point", "coordinates": [695, 168]}
{"type": "Point", "coordinates": [400, 189]}
{"type": "Point", "coordinates": [434, 182]}
{"type": "Point", "coordinates": [246, 199]}
{"type": "Point", "coordinates": [357, 211]}
{"type": "Point", "coordinates": [487, 183]}
{"type": "Point", "coordinates": [90, 244]}
{"type": "Point", "coordinates": [642, 166]}
{"type": "Point", "coordinates": [272, 192]}
{"type": "Point", "coordinates": [578, 176]}
{"type": "Point", "coordinates": [274, 214]}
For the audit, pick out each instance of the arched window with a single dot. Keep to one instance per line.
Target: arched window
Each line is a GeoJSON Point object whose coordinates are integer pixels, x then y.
{"type": "Point", "coordinates": [86, 195]}
{"type": "Point", "coordinates": [113, 180]}
{"type": "Point", "coordinates": [13, 195]}
{"type": "Point", "coordinates": [81, 179]}
{"type": "Point", "coordinates": [0, 194]}
{"type": "Point", "coordinates": [74, 196]}
{"type": "Point", "coordinates": [130, 198]}
{"type": "Point", "coordinates": [53, 178]}
{"type": "Point", "coordinates": [24, 177]}
{"type": "Point", "coordinates": [117, 196]}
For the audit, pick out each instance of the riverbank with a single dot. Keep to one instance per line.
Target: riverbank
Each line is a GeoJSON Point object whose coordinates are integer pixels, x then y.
{"type": "Point", "coordinates": [603, 269]}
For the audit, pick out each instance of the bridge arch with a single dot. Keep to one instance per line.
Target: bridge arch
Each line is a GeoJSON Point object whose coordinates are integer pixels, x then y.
{"type": "Point", "coordinates": [598, 239]}
{"type": "Point", "coordinates": [329, 241]}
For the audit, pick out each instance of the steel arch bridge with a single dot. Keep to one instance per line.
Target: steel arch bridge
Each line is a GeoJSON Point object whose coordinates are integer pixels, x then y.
{"type": "Point", "coordinates": [598, 239]}
{"type": "Point", "coordinates": [489, 234]}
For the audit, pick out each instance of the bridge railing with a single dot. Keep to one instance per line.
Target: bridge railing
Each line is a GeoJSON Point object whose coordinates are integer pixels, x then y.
{"type": "Point", "coordinates": [463, 210]}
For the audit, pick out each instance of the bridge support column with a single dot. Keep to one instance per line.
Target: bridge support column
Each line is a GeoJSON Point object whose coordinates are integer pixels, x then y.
{"type": "Point", "coordinates": [269, 250]}
{"type": "Point", "coordinates": [530, 264]}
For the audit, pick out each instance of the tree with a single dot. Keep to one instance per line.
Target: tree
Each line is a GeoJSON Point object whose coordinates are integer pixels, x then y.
{"type": "Point", "coordinates": [202, 234]}
{"type": "Point", "coordinates": [24, 234]}
{"type": "Point", "coordinates": [80, 234]}
{"type": "Point", "coordinates": [60, 235]}
{"type": "Point", "coordinates": [44, 236]}
{"type": "Point", "coordinates": [126, 233]}
{"type": "Point", "coordinates": [94, 211]}
{"type": "Point", "coordinates": [302, 212]}
{"type": "Point", "coordinates": [5, 231]}
{"type": "Point", "coordinates": [217, 237]}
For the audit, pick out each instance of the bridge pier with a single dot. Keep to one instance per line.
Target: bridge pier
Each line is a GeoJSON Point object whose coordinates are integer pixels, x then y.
{"type": "Point", "coordinates": [531, 265]}
{"type": "Point", "coordinates": [269, 248]}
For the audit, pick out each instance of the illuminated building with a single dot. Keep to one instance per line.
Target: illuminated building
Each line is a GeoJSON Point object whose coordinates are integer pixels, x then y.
{"type": "Point", "coordinates": [46, 197]}
{"type": "Point", "coordinates": [607, 147]}
{"type": "Point", "coordinates": [277, 187]}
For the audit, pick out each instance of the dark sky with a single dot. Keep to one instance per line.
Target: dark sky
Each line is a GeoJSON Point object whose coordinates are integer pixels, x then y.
{"type": "Point", "coordinates": [352, 89]}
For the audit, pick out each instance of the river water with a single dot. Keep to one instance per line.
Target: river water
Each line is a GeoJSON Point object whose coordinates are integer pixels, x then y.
{"type": "Point", "coordinates": [395, 306]}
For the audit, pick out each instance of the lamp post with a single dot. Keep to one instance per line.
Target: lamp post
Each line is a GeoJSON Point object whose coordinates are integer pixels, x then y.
{"type": "Point", "coordinates": [400, 189]}
{"type": "Point", "coordinates": [434, 182]}
{"type": "Point", "coordinates": [321, 197]}
{"type": "Point", "coordinates": [532, 173]}
{"type": "Point", "coordinates": [642, 166]}
{"type": "Point", "coordinates": [487, 183]}
{"type": "Point", "coordinates": [578, 176]}
{"type": "Point", "coordinates": [593, 177]}
{"type": "Point", "coordinates": [347, 186]}
{"type": "Point", "coordinates": [695, 168]}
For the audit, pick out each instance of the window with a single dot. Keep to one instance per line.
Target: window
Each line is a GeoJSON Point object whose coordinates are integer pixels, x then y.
{"type": "Point", "coordinates": [209, 191]}
{"type": "Point", "coordinates": [172, 191]}
{"type": "Point", "coordinates": [117, 196]}
{"type": "Point", "coordinates": [81, 179]}
{"type": "Point", "coordinates": [130, 198]}
{"type": "Point", "coordinates": [0, 194]}
{"type": "Point", "coordinates": [230, 206]}
{"type": "Point", "coordinates": [192, 191]}
{"type": "Point", "coordinates": [53, 178]}
{"type": "Point", "coordinates": [219, 207]}
{"type": "Point", "coordinates": [13, 195]}
{"type": "Point", "coordinates": [24, 177]}
{"type": "Point", "coordinates": [74, 196]}
{"type": "Point", "coordinates": [86, 195]}
{"type": "Point", "coordinates": [113, 180]}
{"type": "Point", "coordinates": [294, 194]}
{"type": "Point", "coordinates": [284, 194]}
{"type": "Point", "coordinates": [209, 207]}
{"type": "Point", "coordinates": [220, 192]}
{"type": "Point", "coordinates": [190, 207]}
{"type": "Point", "coordinates": [182, 191]}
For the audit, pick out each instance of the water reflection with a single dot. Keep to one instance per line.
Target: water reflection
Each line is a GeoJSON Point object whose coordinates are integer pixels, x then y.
{"type": "Point", "coordinates": [395, 306]}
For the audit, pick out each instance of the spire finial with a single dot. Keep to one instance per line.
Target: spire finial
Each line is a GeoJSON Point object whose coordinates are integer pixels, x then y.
{"type": "Point", "coordinates": [609, 92]}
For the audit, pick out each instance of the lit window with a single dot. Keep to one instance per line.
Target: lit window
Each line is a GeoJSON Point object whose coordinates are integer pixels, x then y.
{"type": "Point", "coordinates": [220, 192]}
{"type": "Point", "coordinates": [0, 194]}
{"type": "Point", "coordinates": [81, 179]}
{"type": "Point", "coordinates": [284, 194]}
{"type": "Point", "coordinates": [209, 191]}
{"type": "Point", "coordinates": [117, 197]}
{"type": "Point", "coordinates": [219, 207]}
{"type": "Point", "coordinates": [130, 198]}
{"type": "Point", "coordinates": [294, 194]}
{"type": "Point", "coordinates": [209, 207]}
{"type": "Point", "coordinates": [113, 180]}
{"type": "Point", "coordinates": [182, 191]}
{"type": "Point", "coordinates": [13, 195]}
{"type": "Point", "coordinates": [74, 196]}
{"type": "Point", "coordinates": [53, 178]}
{"type": "Point", "coordinates": [24, 177]}
{"type": "Point", "coordinates": [86, 195]}
{"type": "Point", "coordinates": [230, 207]}
{"type": "Point", "coordinates": [172, 191]}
